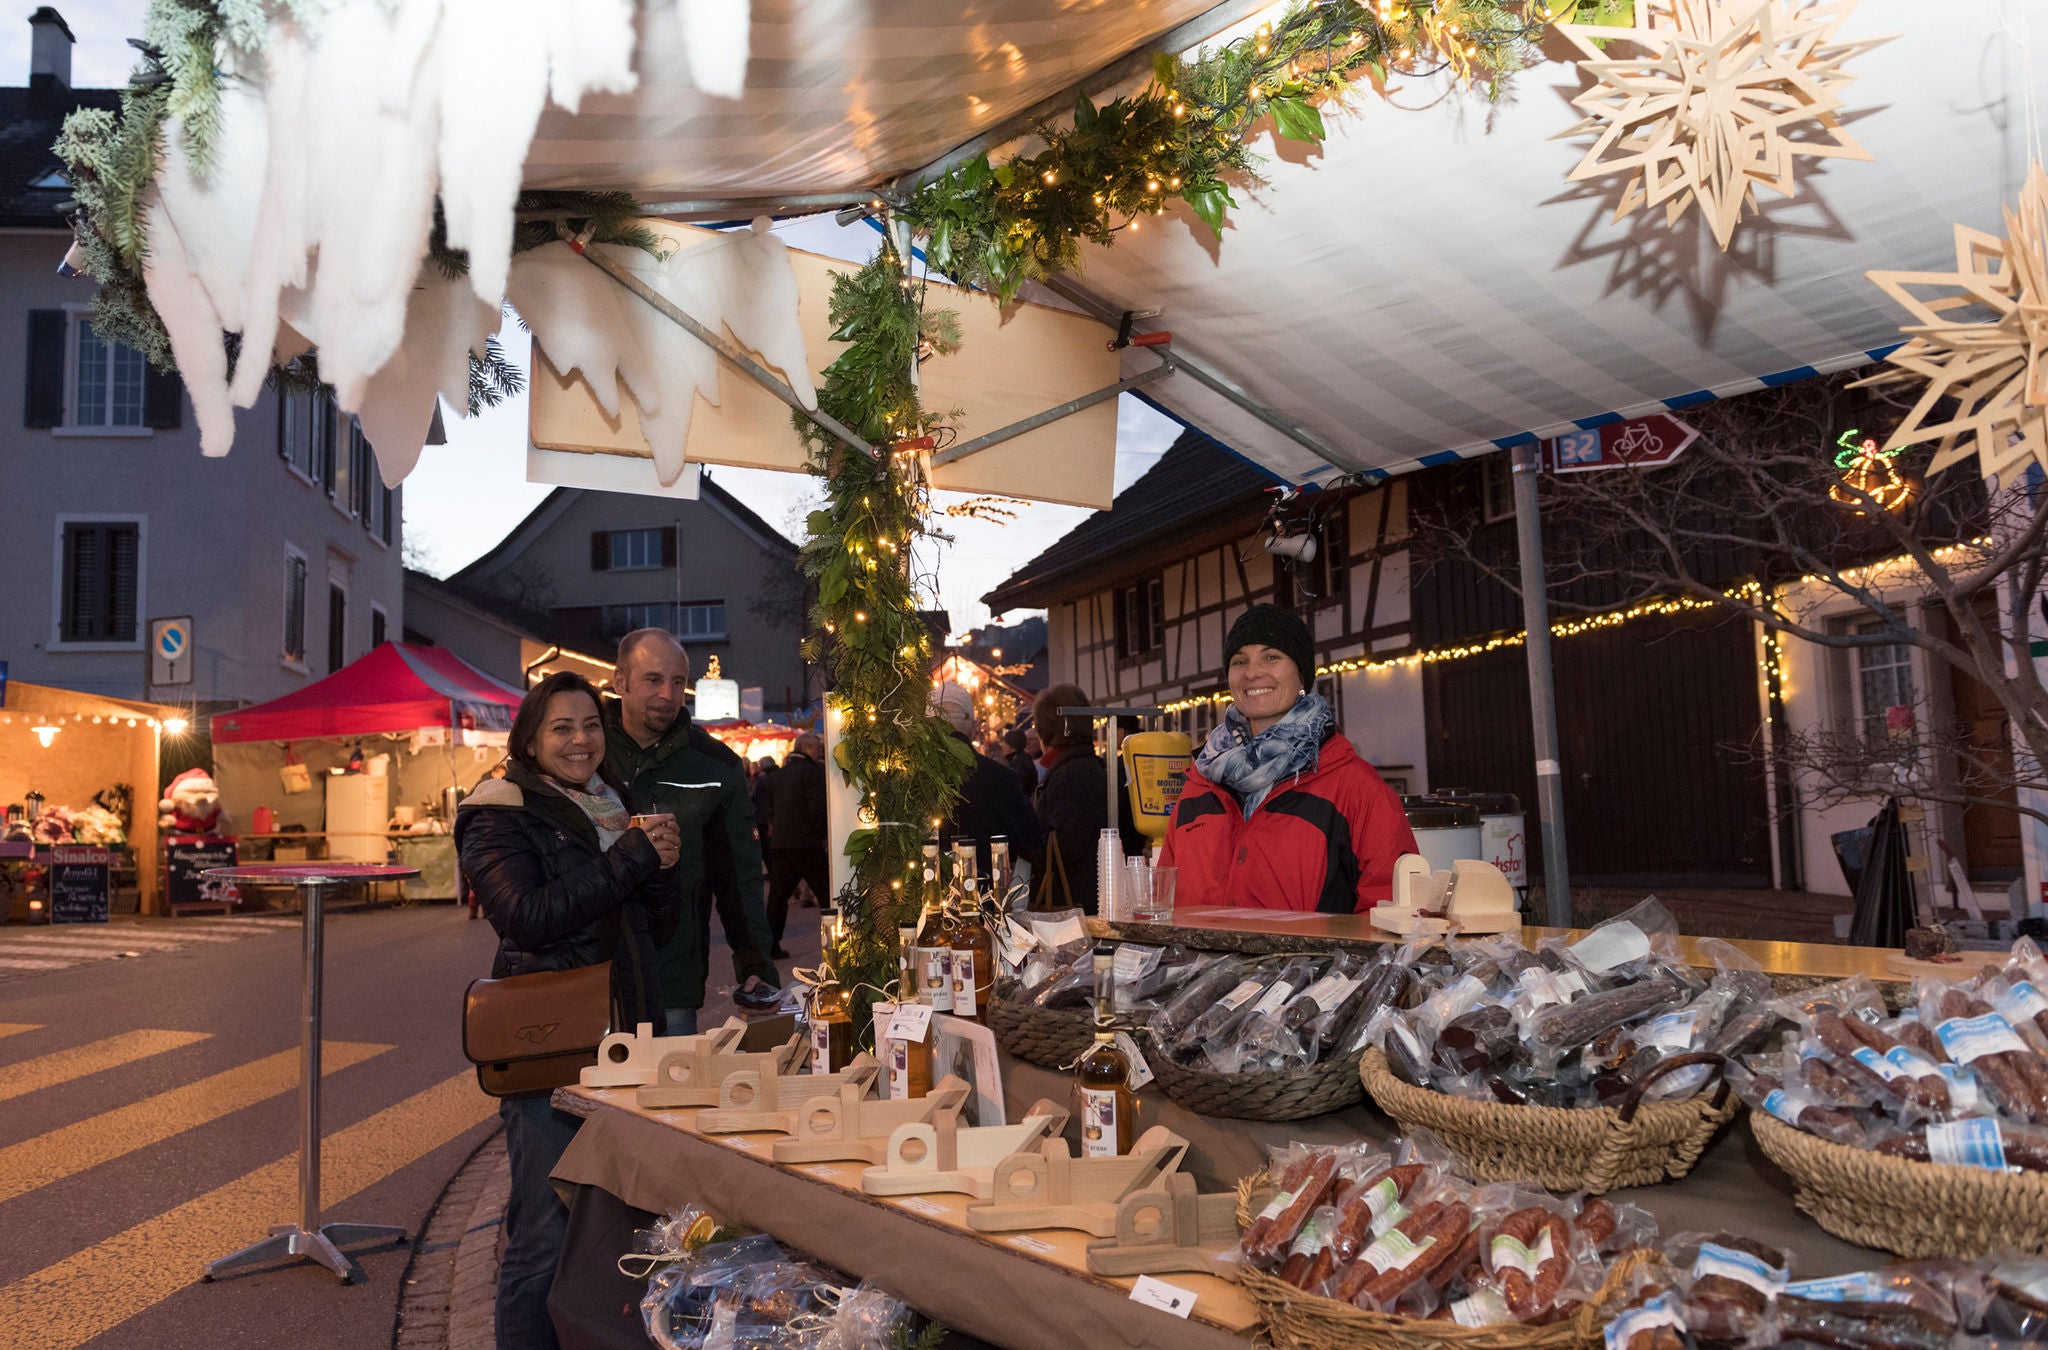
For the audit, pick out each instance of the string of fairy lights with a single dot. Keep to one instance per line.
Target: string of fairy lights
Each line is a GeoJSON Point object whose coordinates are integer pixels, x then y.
{"type": "Point", "coordinates": [1772, 663]}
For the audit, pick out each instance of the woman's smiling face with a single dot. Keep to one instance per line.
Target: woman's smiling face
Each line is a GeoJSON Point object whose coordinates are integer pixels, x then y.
{"type": "Point", "coordinates": [571, 741]}
{"type": "Point", "coordinates": [1264, 683]}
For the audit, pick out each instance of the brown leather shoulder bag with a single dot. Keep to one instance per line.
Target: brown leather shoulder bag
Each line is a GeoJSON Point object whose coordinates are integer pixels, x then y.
{"type": "Point", "coordinates": [529, 1034]}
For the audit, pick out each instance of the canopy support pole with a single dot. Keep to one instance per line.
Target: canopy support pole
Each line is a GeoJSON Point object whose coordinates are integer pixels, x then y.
{"type": "Point", "coordinates": [1050, 415]}
{"type": "Point", "coordinates": [753, 369]}
{"type": "Point", "coordinates": [1195, 370]}
{"type": "Point", "coordinates": [1557, 895]}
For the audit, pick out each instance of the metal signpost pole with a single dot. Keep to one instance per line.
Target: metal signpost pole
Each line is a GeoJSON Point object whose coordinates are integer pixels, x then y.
{"type": "Point", "coordinates": [1528, 461]}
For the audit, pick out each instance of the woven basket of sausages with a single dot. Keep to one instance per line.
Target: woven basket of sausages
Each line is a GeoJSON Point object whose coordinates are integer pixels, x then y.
{"type": "Point", "coordinates": [1593, 1149]}
{"type": "Point", "coordinates": [1466, 1309]}
{"type": "Point", "coordinates": [1050, 1037]}
{"type": "Point", "coordinates": [1275, 1094]}
{"type": "Point", "coordinates": [1915, 1209]}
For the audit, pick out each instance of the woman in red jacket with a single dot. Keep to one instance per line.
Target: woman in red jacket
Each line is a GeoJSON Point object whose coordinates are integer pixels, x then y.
{"type": "Point", "coordinates": [1279, 812]}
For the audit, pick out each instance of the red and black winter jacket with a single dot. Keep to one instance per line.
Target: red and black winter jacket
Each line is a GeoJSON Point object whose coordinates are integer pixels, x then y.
{"type": "Point", "coordinates": [1325, 840]}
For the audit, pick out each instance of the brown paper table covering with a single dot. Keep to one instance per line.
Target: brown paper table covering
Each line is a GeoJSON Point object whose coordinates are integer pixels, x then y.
{"type": "Point", "coordinates": [918, 1247]}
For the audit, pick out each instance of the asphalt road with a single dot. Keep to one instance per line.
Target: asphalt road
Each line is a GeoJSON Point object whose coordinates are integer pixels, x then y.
{"type": "Point", "coordinates": [149, 1123]}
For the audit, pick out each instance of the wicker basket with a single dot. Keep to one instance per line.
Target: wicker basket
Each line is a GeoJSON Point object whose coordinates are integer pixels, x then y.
{"type": "Point", "coordinates": [1596, 1149]}
{"type": "Point", "coordinates": [1284, 1094]}
{"type": "Point", "coordinates": [1294, 1319]}
{"type": "Point", "coordinates": [1052, 1039]}
{"type": "Point", "coordinates": [1914, 1209]}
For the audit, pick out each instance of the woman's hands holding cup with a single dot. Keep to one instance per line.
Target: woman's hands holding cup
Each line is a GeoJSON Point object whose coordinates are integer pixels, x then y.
{"type": "Point", "coordinates": [661, 831]}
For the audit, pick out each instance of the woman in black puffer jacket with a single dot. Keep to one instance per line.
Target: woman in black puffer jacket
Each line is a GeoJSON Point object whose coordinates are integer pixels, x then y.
{"type": "Point", "coordinates": [567, 881]}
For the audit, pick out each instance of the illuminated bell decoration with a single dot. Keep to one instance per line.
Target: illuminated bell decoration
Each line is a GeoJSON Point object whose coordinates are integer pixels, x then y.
{"type": "Point", "coordinates": [1868, 469]}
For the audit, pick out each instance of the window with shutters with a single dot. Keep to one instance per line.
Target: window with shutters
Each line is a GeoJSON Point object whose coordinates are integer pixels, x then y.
{"type": "Point", "coordinates": [337, 627]}
{"type": "Point", "coordinates": [78, 385]}
{"type": "Point", "coordinates": [632, 550]}
{"type": "Point", "coordinates": [692, 621]}
{"type": "Point", "coordinates": [100, 599]}
{"type": "Point", "coordinates": [1324, 579]}
{"type": "Point", "coordinates": [1140, 619]}
{"type": "Point", "coordinates": [305, 435]}
{"type": "Point", "coordinates": [294, 651]}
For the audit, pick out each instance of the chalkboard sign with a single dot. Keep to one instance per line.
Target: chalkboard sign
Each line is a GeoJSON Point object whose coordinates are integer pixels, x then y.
{"type": "Point", "coordinates": [78, 884]}
{"type": "Point", "coordinates": [186, 857]}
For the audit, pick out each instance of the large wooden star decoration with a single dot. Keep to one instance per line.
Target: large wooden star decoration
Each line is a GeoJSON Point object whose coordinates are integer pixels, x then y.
{"type": "Point", "coordinates": [1722, 97]}
{"type": "Point", "coordinates": [1980, 337]}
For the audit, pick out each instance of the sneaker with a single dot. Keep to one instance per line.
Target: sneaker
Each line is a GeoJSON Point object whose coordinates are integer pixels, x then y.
{"type": "Point", "coordinates": [757, 993]}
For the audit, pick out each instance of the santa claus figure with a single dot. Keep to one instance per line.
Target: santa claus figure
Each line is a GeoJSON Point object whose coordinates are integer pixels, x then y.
{"type": "Point", "coordinates": [191, 805]}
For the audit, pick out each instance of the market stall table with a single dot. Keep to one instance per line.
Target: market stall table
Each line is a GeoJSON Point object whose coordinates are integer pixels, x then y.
{"type": "Point", "coordinates": [308, 1239]}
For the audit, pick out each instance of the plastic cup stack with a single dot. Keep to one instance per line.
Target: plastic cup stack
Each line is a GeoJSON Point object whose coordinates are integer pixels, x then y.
{"type": "Point", "coordinates": [1109, 877]}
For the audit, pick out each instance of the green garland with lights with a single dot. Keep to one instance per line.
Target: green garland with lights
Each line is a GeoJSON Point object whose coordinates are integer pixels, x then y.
{"type": "Point", "coordinates": [1185, 137]}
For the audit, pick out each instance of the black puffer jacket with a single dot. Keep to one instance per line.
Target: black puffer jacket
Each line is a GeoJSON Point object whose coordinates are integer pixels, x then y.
{"type": "Point", "coordinates": [558, 901]}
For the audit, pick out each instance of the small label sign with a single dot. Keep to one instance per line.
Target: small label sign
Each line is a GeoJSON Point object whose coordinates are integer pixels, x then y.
{"type": "Point", "coordinates": [911, 1022]}
{"type": "Point", "coordinates": [823, 1171]}
{"type": "Point", "coordinates": [1032, 1244]}
{"type": "Point", "coordinates": [921, 1205]}
{"type": "Point", "coordinates": [1163, 1296]}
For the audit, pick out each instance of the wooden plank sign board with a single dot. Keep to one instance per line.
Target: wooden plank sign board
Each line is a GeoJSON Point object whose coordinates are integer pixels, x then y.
{"type": "Point", "coordinates": [1012, 363]}
{"type": "Point", "coordinates": [79, 884]}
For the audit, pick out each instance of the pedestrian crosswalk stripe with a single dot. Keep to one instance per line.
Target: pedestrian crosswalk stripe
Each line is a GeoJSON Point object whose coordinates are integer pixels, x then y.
{"type": "Point", "coordinates": [69, 1302]}
{"type": "Point", "coordinates": [16, 1028]}
{"type": "Point", "coordinates": [97, 1139]}
{"type": "Point", "coordinates": [81, 953]}
{"type": "Point", "coordinates": [9, 963]}
{"type": "Point", "coordinates": [65, 1065]}
{"type": "Point", "coordinates": [24, 941]}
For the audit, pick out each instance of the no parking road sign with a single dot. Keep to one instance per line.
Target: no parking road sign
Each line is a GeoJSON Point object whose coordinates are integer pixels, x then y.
{"type": "Point", "coordinates": [170, 651]}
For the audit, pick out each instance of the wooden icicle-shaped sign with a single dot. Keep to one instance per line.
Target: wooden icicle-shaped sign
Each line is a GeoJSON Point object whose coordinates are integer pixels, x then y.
{"type": "Point", "coordinates": [1052, 1189]}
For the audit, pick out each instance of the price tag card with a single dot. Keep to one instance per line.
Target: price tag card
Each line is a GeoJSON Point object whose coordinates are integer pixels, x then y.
{"type": "Point", "coordinates": [737, 1142]}
{"type": "Point", "coordinates": [1061, 934]}
{"type": "Point", "coordinates": [1031, 1244]}
{"type": "Point", "coordinates": [1163, 1296]}
{"type": "Point", "coordinates": [822, 1171]}
{"type": "Point", "coordinates": [911, 1022]}
{"type": "Point", "coordinates": [920, 1205]}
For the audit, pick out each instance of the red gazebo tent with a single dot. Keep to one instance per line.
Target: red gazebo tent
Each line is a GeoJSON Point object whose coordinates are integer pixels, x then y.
{"type": "Point", "coordinates": [396, 688]}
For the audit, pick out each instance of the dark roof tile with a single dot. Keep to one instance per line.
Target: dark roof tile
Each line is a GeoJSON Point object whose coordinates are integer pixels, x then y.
{"type": "Point", "coordinates": [29, 122]}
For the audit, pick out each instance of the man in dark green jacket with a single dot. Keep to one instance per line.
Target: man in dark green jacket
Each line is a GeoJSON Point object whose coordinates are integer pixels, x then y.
{"type": "Point", "coordinates": [668, 764]}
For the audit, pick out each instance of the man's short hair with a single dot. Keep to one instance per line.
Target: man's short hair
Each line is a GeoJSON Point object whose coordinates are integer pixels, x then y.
{"type": "Point", "coordinates": [811, 743]}
{"type": "Point", "coordinates": [632, 642]}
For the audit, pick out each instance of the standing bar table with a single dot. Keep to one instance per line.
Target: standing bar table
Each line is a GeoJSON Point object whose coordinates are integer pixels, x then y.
{"type": "Point", "coordinates": [308, 1240]}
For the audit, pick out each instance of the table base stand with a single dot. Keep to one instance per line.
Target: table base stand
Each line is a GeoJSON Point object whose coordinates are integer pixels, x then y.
{"type": "Point", "coordinates": [289, 1241]}
{"type": "Point", "coordinates": [308, 1239]}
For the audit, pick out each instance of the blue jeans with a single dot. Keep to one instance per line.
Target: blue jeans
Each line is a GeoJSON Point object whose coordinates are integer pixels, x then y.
{"type": "Point", "coordinates": [681, 1021]}
{"type": "Point", "coordinates": [535, 1221]}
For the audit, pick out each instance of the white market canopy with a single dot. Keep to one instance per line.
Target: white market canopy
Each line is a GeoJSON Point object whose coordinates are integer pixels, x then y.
{"type": "Point", "coordinates": [1427, 284]}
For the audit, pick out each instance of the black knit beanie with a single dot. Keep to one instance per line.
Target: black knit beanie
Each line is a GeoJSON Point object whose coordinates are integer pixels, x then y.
{"type": "Point", "coordinates": [1281, 629]}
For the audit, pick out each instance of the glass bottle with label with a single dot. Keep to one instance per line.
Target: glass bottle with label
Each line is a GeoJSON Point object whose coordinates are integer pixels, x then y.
{"type": "Point", "coordinates": [974, 960]}
{"type": "Point", "coordinates": [831, 1017]}
{"type": "Point", "coordinates": [1109, 1109]}
{"type": "Point", "coordinates": [934, 948]}
{"type": "Point", "coordinates": [999, 869]}
{"type": "Point", "coordinates": [907, 971]}
{"type": "Point", "coordinates": [909, 1061]}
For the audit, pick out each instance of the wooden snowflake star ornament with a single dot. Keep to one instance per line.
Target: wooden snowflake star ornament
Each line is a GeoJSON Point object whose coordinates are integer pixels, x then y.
{"type": "Point", "coordinates": [1980, 337]}
{"type": "Point", "coordinates": [1702, 111]}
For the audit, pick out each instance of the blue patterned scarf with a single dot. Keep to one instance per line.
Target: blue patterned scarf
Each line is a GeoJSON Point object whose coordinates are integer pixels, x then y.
{"type": "Point", "coordinates": [1253, 765]}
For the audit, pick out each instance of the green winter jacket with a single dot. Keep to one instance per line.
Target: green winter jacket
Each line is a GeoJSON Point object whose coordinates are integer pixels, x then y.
{"type": "Point", "coordinates": [689, 773]}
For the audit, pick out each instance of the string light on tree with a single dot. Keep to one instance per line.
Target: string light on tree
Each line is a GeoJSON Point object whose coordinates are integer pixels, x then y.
{"type": "Point", "coordinates": [1868, 469]}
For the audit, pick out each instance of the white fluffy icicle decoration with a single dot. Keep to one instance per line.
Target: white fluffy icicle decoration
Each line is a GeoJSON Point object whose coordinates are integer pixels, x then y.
{"type": "Point", "coordinates": [585, 322]}
{"type": "Point", "coordinates": [717, 36]}
{"type": "Point", "coordinates": [337, 148]}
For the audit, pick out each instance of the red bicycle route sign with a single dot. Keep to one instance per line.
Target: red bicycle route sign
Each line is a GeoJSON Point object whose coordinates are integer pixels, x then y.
{"type": "Point", "coordinates": [1640, 443]}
